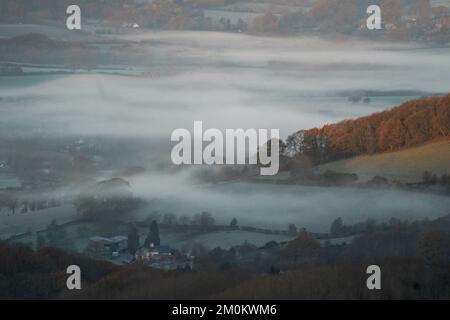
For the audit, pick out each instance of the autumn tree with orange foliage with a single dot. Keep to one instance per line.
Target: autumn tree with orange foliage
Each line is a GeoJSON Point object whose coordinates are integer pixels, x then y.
{"type": "Point", "coordinates": [410, 124]}
{"type": "Point", "coordinates": [267, 23]}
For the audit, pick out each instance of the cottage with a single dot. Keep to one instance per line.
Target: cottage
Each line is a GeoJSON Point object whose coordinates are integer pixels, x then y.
{"type": "Point", "coordinates": [442, 23]}
{"type": "Point", "coordinates": [163, 257]}
{"type": "Point", "coordinates": [146, 254]}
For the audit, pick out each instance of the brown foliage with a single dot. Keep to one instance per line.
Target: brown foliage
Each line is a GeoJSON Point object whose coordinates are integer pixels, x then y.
{"type": "Point", "coordinates": [147, 283]}
{"type": "Point", "coordinates": [412, 123]}
{"type": "Point", "coordinates": [304, 249]}
{"type": "Point", "coordinates": [266, 23]}
{"type": "Point", "coordinates": [25, 274]}
{"type": "Point", "coordinates": [403, 278]}
{"type": "Point", "coordinates": [434, 247]}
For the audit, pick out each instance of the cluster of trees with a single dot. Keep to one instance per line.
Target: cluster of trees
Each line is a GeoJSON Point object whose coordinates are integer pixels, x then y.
{"type": "Point", "coordinates": [413, 256]}
{"type": "Point", "coordinates": [412, 123]}
{"type": "Point", "coordinates": [41, 274]}
{"type": "Point", "coordinates": [392, 227]}
{"type": "Point", "coordinates": [9, 201]}
{"type": "Point", "coordinates": [204, 220]}
{"type": "Point", "coordinates": [402, 278]}
{"type": "Point", "coordinates": [330, 16]}
{"type": "Point", "coordinates": [348, 17]}
{"type": "Point", "coordinates": [338, 229]}
{"type": "Point", "coordinates": [333, 15]}
{"type": "Point", "coordinates": [54, 236]}
{"type": "Point", "coordinates": [433, 179]}
{"type": "Point", "coordinates": [304, 249]}
{"type": "Point", "coordinates": [107, 200]}
{"type": "Point", "coordinates": [265, 24]}
{"type": "Point", "coordinates": [103, 209]}
{"type": "Point", "coordinates": [51, 10]}
{"type": "Point", "coordinates": [155, 14]}
{"type": "Point", "coordinates": [152, 238]}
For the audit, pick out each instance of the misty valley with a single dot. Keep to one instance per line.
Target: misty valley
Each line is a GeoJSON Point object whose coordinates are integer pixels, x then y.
{"type": "Point", "coordinates": [352, 169]}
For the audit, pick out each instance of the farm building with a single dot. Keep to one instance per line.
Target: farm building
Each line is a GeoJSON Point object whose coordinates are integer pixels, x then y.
{"type": "Point", "coordinates": [163, 257]}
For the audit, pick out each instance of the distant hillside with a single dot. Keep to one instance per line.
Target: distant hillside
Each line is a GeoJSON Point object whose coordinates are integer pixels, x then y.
{"type": "Point", "coordinates": [410, 124]}
{"type": "Point", "coordinates": [405, 165]}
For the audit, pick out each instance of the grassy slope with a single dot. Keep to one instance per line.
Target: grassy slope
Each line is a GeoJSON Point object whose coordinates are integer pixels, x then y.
{"type": "Point", "coordinates": [406, 165]}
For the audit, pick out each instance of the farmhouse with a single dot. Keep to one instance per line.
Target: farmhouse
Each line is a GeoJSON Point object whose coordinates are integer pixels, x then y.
{"type": "Point", "coordinates": [163, 257]}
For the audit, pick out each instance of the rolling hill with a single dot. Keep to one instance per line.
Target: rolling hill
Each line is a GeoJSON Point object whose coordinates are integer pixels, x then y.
{"type": "Point", "coordinates": [405, 165]}
{"type": "Point", "coordinates": [409, 125]}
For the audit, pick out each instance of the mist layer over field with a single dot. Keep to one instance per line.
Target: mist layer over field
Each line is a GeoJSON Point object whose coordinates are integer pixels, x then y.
{"type": "Point", "coordinates": [276, 206]}
{"type": "Point", "coordinates": [228, 81]}
{"type": "Point", "coordinates": [234, 81]}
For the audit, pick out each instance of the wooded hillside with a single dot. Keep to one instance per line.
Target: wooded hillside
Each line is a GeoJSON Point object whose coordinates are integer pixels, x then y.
{"type": "Point", "coordinates": [407, 125]}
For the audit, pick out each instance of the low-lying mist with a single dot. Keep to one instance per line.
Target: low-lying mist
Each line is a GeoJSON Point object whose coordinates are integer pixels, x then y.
{"type": "Point", "coordinates": [227, 81]}
{"type": "Point", "coordinates": [277, 206]}
{"type": "Point", "coordinates": [235, 81]}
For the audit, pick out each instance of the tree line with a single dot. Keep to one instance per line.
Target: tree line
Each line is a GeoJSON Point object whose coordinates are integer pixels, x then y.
{"type": "Point", "coordinates": [410, 124]}
{"type": "Point", "coordinates": [414, 258]}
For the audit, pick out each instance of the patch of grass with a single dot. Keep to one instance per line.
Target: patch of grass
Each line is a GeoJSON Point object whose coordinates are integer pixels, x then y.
{"type": "Point", "coordinates": [406, 165]}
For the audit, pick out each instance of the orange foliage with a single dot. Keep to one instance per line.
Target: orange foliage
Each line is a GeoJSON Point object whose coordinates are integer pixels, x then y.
{"type": "Point", "coordinates": [407, 125]}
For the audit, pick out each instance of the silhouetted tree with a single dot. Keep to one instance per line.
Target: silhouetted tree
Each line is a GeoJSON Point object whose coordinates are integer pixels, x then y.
{"type": "Point", "coordinates": [12, 204]}
{"type": "Point", "coordinates": [304, 249]}
{"type": "Point", "coordinates": [40, 241]}
{"type": "Point", "coordinates": [429, 178]}
{"type": "Point", "coordinates": [184, 220]}
{"type": "Point", "coordinates": [292, 229]}
{"type": "Point", "coordinates": [445, 180]}
{"type": "Point", "coordinates": [336, 227]}
{"type": "Point", "coordinates": [55, 234]}
{"type": "Point", "coordinates": [204, 220]}
{"type": "Point", "coordinates": [169, 219]}
{"type": "Point", "coordinates": [153, 235]}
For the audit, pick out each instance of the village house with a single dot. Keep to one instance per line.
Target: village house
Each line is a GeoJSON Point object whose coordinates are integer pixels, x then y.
{"type": "Point", "coordinates": [441, 23]}
{"type": "Point", "coordinates": [163, 257]}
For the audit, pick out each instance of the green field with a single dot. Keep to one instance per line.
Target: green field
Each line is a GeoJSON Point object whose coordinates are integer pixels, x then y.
{"type": "Point", "coordinates": [406, 165]}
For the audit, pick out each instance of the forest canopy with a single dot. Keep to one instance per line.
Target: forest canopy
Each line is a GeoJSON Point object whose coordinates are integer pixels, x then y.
{"type": "Point", "coordinates": [410, 124]}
